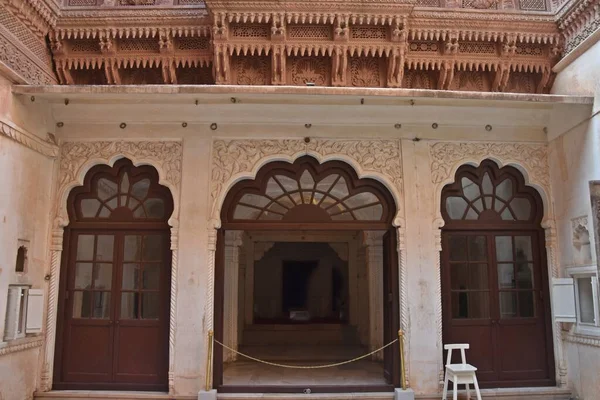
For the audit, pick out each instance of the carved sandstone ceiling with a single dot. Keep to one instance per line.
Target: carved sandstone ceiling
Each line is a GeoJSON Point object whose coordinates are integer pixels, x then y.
{"type": "Point", "coordinates": [474, 45]}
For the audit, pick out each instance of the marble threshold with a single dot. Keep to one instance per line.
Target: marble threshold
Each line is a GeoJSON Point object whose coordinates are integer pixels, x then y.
{"type": "Point", "coordinates": [534, 393]}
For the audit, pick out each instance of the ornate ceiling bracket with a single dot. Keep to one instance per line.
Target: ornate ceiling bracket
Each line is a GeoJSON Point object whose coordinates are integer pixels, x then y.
{"type": "Point", "coordinates": [235, 160]}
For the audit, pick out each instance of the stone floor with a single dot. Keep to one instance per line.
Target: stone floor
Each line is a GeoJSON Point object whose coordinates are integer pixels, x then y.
{"type": "Point", "coordinates": [364, 372]}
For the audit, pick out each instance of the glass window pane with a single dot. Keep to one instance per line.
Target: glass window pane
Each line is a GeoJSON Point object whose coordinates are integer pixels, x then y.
{"type": "Point", "coordinates": [508, 304]}
{"type": "Point", "coordinates": [506, 276]}
{"type": "Point", "coordinates": [472, 214]}
{"type": "Point", "coordinates": [504, 189]}
{"type": "Point", "coordinates": [85, 247]}
{"type": "Point", "coordinates": [306, 180]}
{"type": "Point", "coordinates": [371, 213]}
{"type": "Point", "coordinates": [82, 304]}
{"type": "Point", "coordinates": [498, 205]}
{"type": "Point", "coordinates": [326, 182]}
{"type": "Point", "coordinates": [140, 189]}
{"type": "Point", "coordinates": [504, 250]}
{"type": "Point", "coordinates": [277, 208]}
{"type": "Point", "coordinates": [104, 248]}
{"type": "Point", "coordinates": [103, 276]}
{"type": "Point", "coordinates": [150, 303]}
{"type": "Point", "coordinates": [296, 197]}
{"type": "Point", "coordinates": [286, 202]}
{"type": "Point", "coordinates": [506, 215]}
{"type": "Point", "coordinates": [153, 247]}
{"type": "Point", "coordinates": [269, 216]}
{"type": "Point", "coordinates": [273, 189]}
{"type": "Point", "coordinates": [459, 276]}
{"type": "Point", "coordinates": [486, 184]}
{"type": "Point", "coordinates": [139, 212]}
{"type": "Point", "coordinates": [243, 212]}
{"type": "Point", "coordinates": [470, 189]}
{"type": "Point", "coordinates": [130, 279]}
{"type": "Point", "coordinates": [288, 184]}
{"type": "Point", "coordinates": [586, 300]}
{"type": "Point", "coordinates": [340, 189]}
{"type": "Point", "coordinates": [521, 207]}
{"type": "Point", "coordinates": [342, 217]}
{"type": "Point", "coordinates": [478, 204]}
{"type": "Point", "coordinates": [133, 247]}
{"type": "Point", "coordinates": [488, 202]}
{"type": "Point", "coordinates": [89, 207]}
{"type": "Point", "coordinates": [155, 208]}
{"type": "Point", "coordinates": [458, 248]}
{"type": "Point", "coordinates": [83, 275]}
{"type": "Point", "coordinates": [112, 203]}
{"type": "Point", "coordinates": [526, 304]}
{"type": "Point", "coordinates": [106, 189]}
{"type": "Point", "coordinates": [477, 248]}
{"type": "Point", "coordinates": [122, 201]}
{"type": "Point", "coordinates": [306, 196]}
{"type": "Point", "coordinates": [151, 276]}
{"type": "Point", "coordinates": [327, 201]}
{"type": "Point", "coordinates": [125, 183]}
{"type": "Point", "coordinates": [523, 248]}
{"type": "Point", "coordinates": [478, 276]}
{"type": "Point", "coordinates": [361, 199]}
{"type": "Point", "coordinates": [525, 275]}
{"type": "Point", "coordinates": [129, 305]}
{"type": "Point", "coordinates": [255, 200]}
{"type": "Point", "coordinates": [101, 306]}
{"type": "Point", "coordinates": [455, 207]}
{"type": "Point", "coordinates": [470, 305]}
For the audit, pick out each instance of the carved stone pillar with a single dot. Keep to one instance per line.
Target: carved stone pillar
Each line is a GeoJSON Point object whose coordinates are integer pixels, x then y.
{"type": "Point", "coordinates": [551, 252]}
{"type": "Point", "coordinates": [233, 241]}
{"type": "Point", "coordinates": [373, 242]}
{"type": "Point", "coordinates": [437, 240]}
{"type": "Point", "coordinates": [173, 301]}
{"type": "Point", "coordinates": [339, 66]}
{"type": "Point", "coordinates": [403, 292]}
{"type": "Point", "coordinates": [363, 295]}
{"type": "Point", "coordinates": [210, 290]}
{"type": "Point", "coordinates": [278, 65]}
{"type": "Point", "coordinates": [56, 253]}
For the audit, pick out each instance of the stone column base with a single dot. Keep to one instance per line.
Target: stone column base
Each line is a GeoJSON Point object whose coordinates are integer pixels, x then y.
{"type": "Point", "coordinates": [407, 394]}
{"type": "Point", "coordinates": [209, 395]}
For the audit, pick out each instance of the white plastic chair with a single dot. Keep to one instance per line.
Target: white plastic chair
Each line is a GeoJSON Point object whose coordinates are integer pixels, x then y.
{"type": "Point", "coordinates": [462, 373]}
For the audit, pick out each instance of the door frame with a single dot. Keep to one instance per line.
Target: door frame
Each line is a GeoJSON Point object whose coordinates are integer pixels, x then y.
{"type": "Point", "coordinates": [228, 223]}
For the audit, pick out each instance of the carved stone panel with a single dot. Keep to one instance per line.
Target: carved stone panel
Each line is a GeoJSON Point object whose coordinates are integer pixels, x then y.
{"type": "Point", "coordinates": [366, 72]}
{"type": "Point", "coordinates": [595, 199]}
{"type": "Point", "coordinates": [303, 70]}
{"type": "Point", "coordinates": [252, 70]}
{"type": "Point", "coordinates": [472, 81]}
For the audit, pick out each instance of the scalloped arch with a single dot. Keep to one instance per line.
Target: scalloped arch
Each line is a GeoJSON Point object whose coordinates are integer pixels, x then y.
{"type": "Point", "coordinates": [249, 170]}
{"type": "Point", "coordinates": [77, 158]}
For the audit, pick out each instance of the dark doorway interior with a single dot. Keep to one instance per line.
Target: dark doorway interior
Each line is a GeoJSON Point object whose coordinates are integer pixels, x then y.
{"type": "Point", "coordinates": [296, 275]}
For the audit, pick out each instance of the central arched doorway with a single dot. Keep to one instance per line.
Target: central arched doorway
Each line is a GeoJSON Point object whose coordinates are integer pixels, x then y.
{"type": "Point", "coordinates": [302, 279]}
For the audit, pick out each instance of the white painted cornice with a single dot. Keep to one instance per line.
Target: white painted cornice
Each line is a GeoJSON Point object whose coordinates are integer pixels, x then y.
{"type": "Point", "coordinates": [28, 139]}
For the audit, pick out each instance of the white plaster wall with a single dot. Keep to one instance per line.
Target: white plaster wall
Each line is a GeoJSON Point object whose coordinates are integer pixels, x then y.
{"type": "Point", "coordinates": [574, 159]}
{"type": "Point", "coordinates": [25, 202]}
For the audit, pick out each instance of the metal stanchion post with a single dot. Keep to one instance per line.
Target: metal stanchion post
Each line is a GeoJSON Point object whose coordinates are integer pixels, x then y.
{"type": "Point", "coordinates": [209, 360]}
{"type": "Point", "coordinates": [401, 349]}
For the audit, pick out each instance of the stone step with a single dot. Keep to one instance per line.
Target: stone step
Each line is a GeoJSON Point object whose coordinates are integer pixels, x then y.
{"type": "Point", "coordinates": [315, 334]}
{"type": "Point", "coordinates": [313, 353]}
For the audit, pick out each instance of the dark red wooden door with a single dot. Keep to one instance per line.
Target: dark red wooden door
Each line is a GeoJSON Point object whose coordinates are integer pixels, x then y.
{"type": "Point", "coordinates": [493, 299]}
{"type": "Point", "coordinates": [391, 360]}
{"type": "Point", "coordinates": [116, 310]}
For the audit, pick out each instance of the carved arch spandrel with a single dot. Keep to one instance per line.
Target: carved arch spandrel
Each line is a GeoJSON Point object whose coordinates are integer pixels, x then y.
{"type": "Point", "coordinates": [238, 159]}
{"type": "Point", "coordinates": [76, 159]}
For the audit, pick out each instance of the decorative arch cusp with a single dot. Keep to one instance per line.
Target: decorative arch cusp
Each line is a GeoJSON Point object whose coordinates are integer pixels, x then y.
{"type": "Point", "coordinates": [240, 159]}
{"type": "Point", "coordinates": [308, 193]}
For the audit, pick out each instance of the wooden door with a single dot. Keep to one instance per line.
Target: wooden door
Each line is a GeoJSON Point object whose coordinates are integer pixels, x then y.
{"type": "Point", "coordinates": [116, 311]}
{"type": "Point", "coordinates": [493, 299]}
{"type": "Point", "coordinates": [391, 360]}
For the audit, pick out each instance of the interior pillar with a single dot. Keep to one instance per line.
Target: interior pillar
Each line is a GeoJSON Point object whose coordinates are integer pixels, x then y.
{"type": "Point", "coordinates": [233, 241]}
{"type": "Point", "coordinates": [373, 242]}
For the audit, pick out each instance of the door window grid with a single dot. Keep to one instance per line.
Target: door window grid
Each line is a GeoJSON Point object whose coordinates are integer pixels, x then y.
{"type": "Point", "coordinates": [93, 276]}
{"type": "Point", "coordinates": [515, 266]}
{"type": "Point", "coordinates": [142, 263]}
{"type": "Point", "coordinates": [469, 280]}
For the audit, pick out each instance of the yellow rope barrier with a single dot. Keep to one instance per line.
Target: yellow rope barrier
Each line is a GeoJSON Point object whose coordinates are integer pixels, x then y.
{"type": "Point", "coordinates": [303, 366]}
